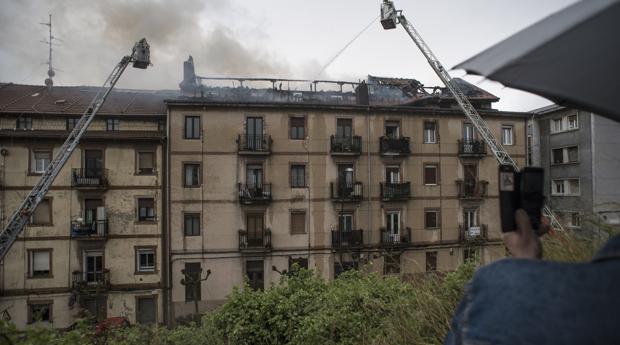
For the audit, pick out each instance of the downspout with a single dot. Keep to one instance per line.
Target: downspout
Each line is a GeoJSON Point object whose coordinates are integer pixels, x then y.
{"type": "Point", "coordinates": [166, 231]}
{"type": "Point", "coordinates": [369, 169]}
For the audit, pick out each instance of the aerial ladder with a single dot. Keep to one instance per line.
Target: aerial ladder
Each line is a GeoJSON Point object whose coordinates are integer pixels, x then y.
{"type": "Point", "coordinates": [140, 58]}
{"type": "Point", "coordinates": [390, 18]}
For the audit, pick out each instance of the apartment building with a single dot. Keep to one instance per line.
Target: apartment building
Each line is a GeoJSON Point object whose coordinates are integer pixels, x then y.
{"type": "Point", "coordinates": [579, 151]}
{"type": "Point", "coordinates": [94, 244]}
{"type": "Point", "coordinates": [393, 179]}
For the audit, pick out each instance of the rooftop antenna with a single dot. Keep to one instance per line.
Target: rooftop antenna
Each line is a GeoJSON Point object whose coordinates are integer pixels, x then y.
{"type": "Point", "coordinates": [50, 71]}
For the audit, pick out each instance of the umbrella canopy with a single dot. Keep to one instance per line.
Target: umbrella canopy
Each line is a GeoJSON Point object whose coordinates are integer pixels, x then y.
{"type": "Point", "coordinates": [571, 57]}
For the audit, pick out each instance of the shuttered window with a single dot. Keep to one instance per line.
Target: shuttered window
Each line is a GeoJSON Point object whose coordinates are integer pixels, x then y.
{"type": "Point", "coordinates": [297, 128]}
{"type": "Point", "coordinates": [39, 263]}
{"type": "Point", "coordinates": [431, 261]}
{"type": "Point", "coordinates": [431, 219]}
{"type": "Point", "coordinates": [430, 174]}
{"type": "Point", "coordinates": [298, 222]}
{"type": "Point", "coordinates": [43, 213]}
{"type": "Point", "coordinates": [146, 162]}
{"type": "Point", "coordinates": [146, 209]}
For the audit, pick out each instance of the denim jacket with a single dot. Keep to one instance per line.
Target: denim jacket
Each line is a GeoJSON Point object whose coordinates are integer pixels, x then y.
{"type": "Point", "coordinates": [521, 301]}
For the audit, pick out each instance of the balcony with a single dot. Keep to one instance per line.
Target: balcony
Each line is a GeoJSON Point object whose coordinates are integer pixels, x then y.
{"type": "Point", "coordinates": [473, 234]}
{"type": "Point", "coordinates": [347, 239]}
{"type": "Point", "coordinates": [472, 149]}
{"type": "Point", "coordinates": [395, 191]}
{"type": "Point", "coordinates": [89, 281]}
{"type": "Point", "coordinates": [250, 194]}
{"type": "Point", "coordinates": [93, 230]}
{"type": "Point", "coordinates": [89, 178]}
{"type": "Point", "coordinates": [390, 240]}
{"type": "Point", "coordinates": [254, 144]}
{"type": "Point", "coordinates": [255, 242]}
{"type": "Point", "coordinates": [394, 146]}
{"type": "Point", "coordinates": [347, 192]}
{"type": "Point", "coordinates": [346, 146]}
{"type": "Point", "coordinates": [472, 189]}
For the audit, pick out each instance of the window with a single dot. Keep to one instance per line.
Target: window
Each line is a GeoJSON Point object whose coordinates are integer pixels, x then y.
{"type": "Point", "coordinates": [23, 123]}
{"type": "Point", "coordinates": [146, 310]}
{"type": "Point", "coordinates": [255, 273]}
{"type": "Point", "coordinates": [40, 160]}
{"type": "Point", "coordinates": [191, 224]}
{"type": "Point", "coordinates": [43, 213]}
{"type": "Point", "coordinates": [392, 129]}
{"type": "Point", "coordinates": [145, 260]}
{"type": "Point", "coordinates": [470, 254]}
{"type": "Point", "coordinates": [575, 219]}
{"type": "Point", "coordinates": [431, 219]}
{"type": "Point", "coordinates": [572, 122]}
{"type": "Point", "coordinates": [297, 128]}
{"type": "Point", "coordinates": [565, 187]}
{"type": "Point", "coordinates": [298, 222]}
{"type": "Point", "coordinates": [298, 176]}
{"type": "Point", "coordinates": [193, 285]}
{"type": "Point", "coordinates": [146, 162]}
{"type": "Point", "coordinates": [146, 210]}
{"type": "Point", "coordinates": [565, 155]}
{"type": "Point", "coordinates": [430, 174]}
{"type": "Point", "coordinates": [191, 175]}
{"type": "Point", "coordinates": [161, 125]}
{"type": "Point", "coordinates": [192, 127]}
{"type": "Point", "coordinates": [391, 263]}
{"type": "Point", "coordinates": [40, 263]}
{"type": "Point", "coordinates": [507, 138]}
{"type": "Point", "coordinates": [299, 262]}
{"type": "Point", "coordinates": [431, 261]}
{"type": "Point", "coordinates": [40, 312]}
{"type": "Point", "coordinates": [112, 124]}
{"type": "Point", "coordinates": [430, 132]}
{"type": "Point", "coordinates": [556, 125]}
{"type": "Point", "coordinates": [344, 128]}
{"type": "Point", "coordinates": [71, 123]}
{"type": "Point", "coordinates": [343, 266]}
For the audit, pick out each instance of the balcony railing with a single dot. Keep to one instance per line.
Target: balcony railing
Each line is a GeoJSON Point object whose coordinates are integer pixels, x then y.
{"type": "Point", "coordinates": [472, 148]}
{"type": "Point", "coordinates": [390, 239]}
{"type": "Point", "coordinates": [260, 240]}
{"type": "Point", "coordinates": [254, 194]}
{"type": "Point", "coordinates": [347, 239]}
{"type": "Point", "coordinates": [254, 144]}
{"type": "Point", "coordinates": [473, 234]}
{"type": "Point", "coordinates": [395, 191]}
{"type": "Point", "coordinates": [472, 189]}
{"type": "Point", "coordinates": [91, 280]}
{"type": "Point", "coordinates": [347, 192]}
{"type": "Point", "coordinates": [97, 229]}
{"type": "Point", "coordinates": [89, 178]}
{"type": "Point", "coordinates": [394, 146]}
{"type": "Point", "coordinates": [349, 146]}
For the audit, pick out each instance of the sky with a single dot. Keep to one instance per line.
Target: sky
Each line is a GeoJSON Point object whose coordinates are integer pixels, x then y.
{"type": "Point", "coordinates": [249, 38]}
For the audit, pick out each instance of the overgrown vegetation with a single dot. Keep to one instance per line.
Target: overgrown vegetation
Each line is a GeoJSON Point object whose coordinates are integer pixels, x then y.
{"type": "Point", "coordinates": [356, 308]}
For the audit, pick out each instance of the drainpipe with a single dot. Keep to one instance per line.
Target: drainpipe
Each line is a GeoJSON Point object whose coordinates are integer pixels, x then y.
{"type": "Point", "coordinates": [166, 237]}
{"type": "Point", "coordinates": [369, 169]}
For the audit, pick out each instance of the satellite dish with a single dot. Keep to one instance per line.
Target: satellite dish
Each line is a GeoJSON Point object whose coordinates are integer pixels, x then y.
{"type": "Point", "coordinates": [51, 72]}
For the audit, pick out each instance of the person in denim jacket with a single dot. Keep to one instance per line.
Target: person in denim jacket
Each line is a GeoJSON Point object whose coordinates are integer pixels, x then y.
{"type": "Point", "coordinates": [523, 300]}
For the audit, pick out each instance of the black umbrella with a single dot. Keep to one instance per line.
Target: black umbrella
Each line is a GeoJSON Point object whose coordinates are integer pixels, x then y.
{"type": "Point", "coordinates": [571, 57]}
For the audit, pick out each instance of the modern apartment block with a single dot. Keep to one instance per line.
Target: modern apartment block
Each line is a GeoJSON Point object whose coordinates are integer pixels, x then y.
{"type": "Point", "coordinates": [95, 242]}
{"type": "Point", "coordinates": [393, 179]}
{"type": "Point", "coordinates": [579, 151]}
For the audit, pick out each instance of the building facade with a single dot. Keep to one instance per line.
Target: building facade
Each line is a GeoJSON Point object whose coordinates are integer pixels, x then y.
{"type": "Point", "coordinates": [260, 179]}
{"type": "Point", "coordinates": [95, 243]}
{"type": "Point", "coordinates": [579, 151]}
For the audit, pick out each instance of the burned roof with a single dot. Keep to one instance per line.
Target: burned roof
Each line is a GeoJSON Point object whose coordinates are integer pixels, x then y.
{"type": "Point", "coordinates": [73, 100]}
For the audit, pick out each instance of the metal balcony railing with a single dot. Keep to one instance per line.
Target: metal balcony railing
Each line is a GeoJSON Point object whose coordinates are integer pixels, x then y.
{"type": "Point", "coordinates": [254, 144]}
{"type": "Point", "coordinates": [351, 192]}
{"type": "Point", "coordinates": [91, 280]}
{"type": "Point", "coordinates": [391, 239]}
{"type": "Point", "coordinates": [347, 239]}
{"type": "Point", "coordinates": [89, 178]}
{"type": "Point", "coordinates": [96, 229]}
{"type": "Point", "coordinates": [346, 145]}
{"type": "Point", "coordinates": [395, 191]}
{"type": "Point", "coordinates": [472, 148]}
{"type": "Point", "coordinates": [394, 146]}
{"type": "Point", "coordinates": [473, 234]}
{"type": "Point", "coordinates": [255, 240]}
{"type": "Point", "coordinates": [472, 189]}
{"type": "Point", "coordinates": [254, 193]}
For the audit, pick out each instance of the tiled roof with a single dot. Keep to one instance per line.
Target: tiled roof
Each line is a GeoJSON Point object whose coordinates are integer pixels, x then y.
{"type": "Point", "coordinates": [73, 100]}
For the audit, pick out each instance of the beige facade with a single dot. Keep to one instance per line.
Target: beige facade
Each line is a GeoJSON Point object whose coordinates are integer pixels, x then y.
{"type": "Point", "coordinates": [88, 248]}
{"type": "Point", "coordinates": [246, 230]}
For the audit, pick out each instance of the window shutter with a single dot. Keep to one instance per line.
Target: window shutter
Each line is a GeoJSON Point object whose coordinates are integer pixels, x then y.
{"type": "Point", "coordinates": [298, 222]}
{"type": "Point", "coordinates": [41, 261]}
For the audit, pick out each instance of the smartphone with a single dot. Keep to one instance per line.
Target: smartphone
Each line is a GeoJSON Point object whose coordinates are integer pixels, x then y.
{"type": "Point", "coordinates": [520, 190]}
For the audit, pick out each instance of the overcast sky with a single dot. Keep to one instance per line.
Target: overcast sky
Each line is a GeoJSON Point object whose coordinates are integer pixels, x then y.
{"type": "Point", "coordinates": [266, 38]}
